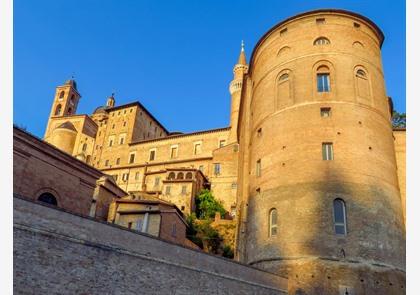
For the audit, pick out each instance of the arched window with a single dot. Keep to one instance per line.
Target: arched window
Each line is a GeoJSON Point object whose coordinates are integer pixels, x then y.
{"type": "Point", "coordinates": [48, 198]}
{"type": "Point", "coordinates": [323, 79]}
{"type": "Point", "coordinates": [72, 99]}
{"type": "Point", "coordinates": [283, 50]}
{"type": "Point", "coordinates": [272, 222]}
{"type": "Point", "coordinates": [321, 41]}
{"type": "Point", "coordinates": [180, 175]}
{"type": "Point", "coordinates": [358, 45]}
{"type": "Point", "coordinates": [340, 220]}
{"type": "Point", "coordinates": [61, 94]}
{"type": "Point", "coordinates": [284, 93]}
{"type": "Point", "coordinates": [188, 175]}
{"type": "Point", "coordinates": [171, 175]}
{"type": "Point", "coordinates": [84, 147]}
{"type": "Point", "coordinates": [362, 84]}
{"type": "Point", "coordinates": [57, 110]}
{"type": "Point", "coordinates": [69, 111]}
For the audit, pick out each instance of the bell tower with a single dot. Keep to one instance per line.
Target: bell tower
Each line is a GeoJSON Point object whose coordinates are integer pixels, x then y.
{"type": "Point", "coordinates": [235, 89]}
{"type": "Point", "coordinates": [65, 102]}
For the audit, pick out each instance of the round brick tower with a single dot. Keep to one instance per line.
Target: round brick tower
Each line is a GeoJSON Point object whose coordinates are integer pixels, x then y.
{"type": "Point", "coordinates": [318, 189]}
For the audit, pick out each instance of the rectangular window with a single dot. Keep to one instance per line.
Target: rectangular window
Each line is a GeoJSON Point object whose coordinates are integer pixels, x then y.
{"type": "Point", "coordinates": [122, 139]}
{"type": "Point", "coordinates": [197, 148]}
{"type": "Point", "coordinates": [325, 112]}
{"type": "Point", "coordinates": [137, 177]}
{"type": "Point", "coordinates": [106, 162]}
{"type": "Point", "coordinates": [327, 151]}
{"type": "Point", "coordinates": [174, 230]}
{"type": "Point", "coordinates": [222, 143]}
{"type": "Point", "coordinates": [320, 21]}
{"type": "Point", "coordinates": [157, 181]}
{"type": "Point", "coordinates": [111, 141]}
{"type": "Point", "coordinates": [118, 161]}
{"type": "Point", "coordinates": [174, 152]}
{"type": "Point", "coordinates": [184, 190]}
{"type": "Point", "coordinates": [132, 158]}
{"type": "Point", "coordinates": [168, 190]}
{"type": "Point", "coordinates": [259, 132]}
{"type": "Point", "coordinates": [130, 225]}
{"type": "Point", "coordinates": [258, 168]}
{"type": "Point", "coordinates": [115, 177]}
{"type": "Point", "coordinates": [152, 155]}
{"type": "Point", "coordinates": [125, 176]}
{"type": "Point", "coordinates": [323, 82]}
{"type": "Point", "coordinates": [217, 168]}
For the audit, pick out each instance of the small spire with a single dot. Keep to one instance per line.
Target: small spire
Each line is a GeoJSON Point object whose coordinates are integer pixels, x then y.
{"type": "Point", "coordinates": [242, 58]}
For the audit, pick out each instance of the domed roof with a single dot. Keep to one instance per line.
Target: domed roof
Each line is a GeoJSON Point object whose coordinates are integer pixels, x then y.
{"type": "Point", "coordinates": [101, 109]}
{"type": "Point", "coordinates": [67, 125]}
{"type": "Point", "coordinates": [72, 83]}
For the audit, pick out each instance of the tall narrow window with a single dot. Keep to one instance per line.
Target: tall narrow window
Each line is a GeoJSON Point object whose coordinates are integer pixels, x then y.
{"type": "Point", "coordinates": [84, 147]}
{"type": "Point", "coordinates": [106, 162]}
{"type": "Point", "coordinates": [273, 222]}
{"type": "Point", "coordinates": [174, 152]}
{"type": "Point", "coordinates": [217, 168]}
{"type": "Point", "coordinates": [132, 158]}
{"type": "Point", "coordinates": [137, 177]}
{"type": "Point", "coordinates": [57, 110]}
{"type": "Point", "coordinates": [168, 190]}
{"type": "Point", "coordinates": [283, 91]}
{"type": "Point", "coordinates": [184, 190]}
{"type": "Point", "coordinates": [323, 82]}
{"type": "Point", "coordinates": [157, 181]}
{"type": "Point", "coordinates": [362, 84]}
{"type": "Point", "coordinates": [174, 230]}
{"type": "Point", "coordinates": [258, 168]}
{"type": "Point", "coordinates": [340, 220]}
{"type": "Point", "coordinates": [117, 162]}
{"type": "Point", "coordinates": [152, 155]}
{"type": "Point", "coordinates": [61, 94]}
{"type": "Point", "coordinates": [197, 148]}
{"type": "Point", "coordinates": [327, 151]}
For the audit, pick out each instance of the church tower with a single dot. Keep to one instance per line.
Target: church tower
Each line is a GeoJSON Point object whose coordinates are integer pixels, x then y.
{"type": "Point", "coordinates": [235, 89]}
{"type": "Point", "coordinates": [65, 102]}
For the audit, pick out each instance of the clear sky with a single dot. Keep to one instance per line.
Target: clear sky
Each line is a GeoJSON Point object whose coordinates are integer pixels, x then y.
{"type": "Point", "coordinates": [175, 57]}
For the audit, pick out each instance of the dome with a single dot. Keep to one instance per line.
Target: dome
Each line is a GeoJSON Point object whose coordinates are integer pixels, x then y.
{"type": "Point", "coordinates": [67, 125]}
{"type": "Point", "coordinates": [101, 109]}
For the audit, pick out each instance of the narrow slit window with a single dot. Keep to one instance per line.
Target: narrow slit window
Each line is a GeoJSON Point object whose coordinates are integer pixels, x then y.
{"type": "Point", "coordinates": [273, 222]}
{"type": "Point", "coordinates": [152, 155]}
{"type": "Point", "coordinates": [340, 222]}
{"type": "Point", "coordinates": [327, 151]}
{"type": "Point", "coordinates": [258, 168]}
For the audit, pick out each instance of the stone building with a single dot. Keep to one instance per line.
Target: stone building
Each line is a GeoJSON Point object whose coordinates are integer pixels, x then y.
{"type": "Point", "coordinates": [44, 173]}
{"type": "Point", "coordinates": [150, 215]}
{"type": "Point", "coordinates": [129, 143]}
{"type": "Point", "coordinates": [310, 164]}
{"type": "Point", "coordinates": [318, 189]}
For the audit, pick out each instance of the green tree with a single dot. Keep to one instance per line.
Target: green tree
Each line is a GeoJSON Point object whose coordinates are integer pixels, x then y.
{"type": "Point", "coordinates": [398, 120]}
{"type": "Point", "coordinates": [207, 205]}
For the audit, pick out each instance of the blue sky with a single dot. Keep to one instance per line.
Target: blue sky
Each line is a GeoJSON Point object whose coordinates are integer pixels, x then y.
{"type": "Point", "coordinates": [175, 57]}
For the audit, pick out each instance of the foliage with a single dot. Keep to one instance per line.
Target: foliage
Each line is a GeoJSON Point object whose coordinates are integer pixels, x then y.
{"type": "Point", "coordinates": [398, 120]}
{"type": "Point", "coordinates": [203, 234]}
{"type": "Point", "coordinates": [207, 205]}
{"type": "Point", "coordinates": [227, 252]}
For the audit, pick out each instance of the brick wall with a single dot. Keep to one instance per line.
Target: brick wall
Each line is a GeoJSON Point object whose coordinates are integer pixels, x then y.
{"type": "Point", "coordinates": [56, 252]}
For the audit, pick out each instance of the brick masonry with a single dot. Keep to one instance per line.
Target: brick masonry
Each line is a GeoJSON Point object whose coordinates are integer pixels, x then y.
{"type": "Point", "coordinates": [56, 252]}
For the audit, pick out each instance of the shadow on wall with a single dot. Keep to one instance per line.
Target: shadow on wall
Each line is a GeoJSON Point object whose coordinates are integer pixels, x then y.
{"type": "Point", "coordinates": [320, 253]}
